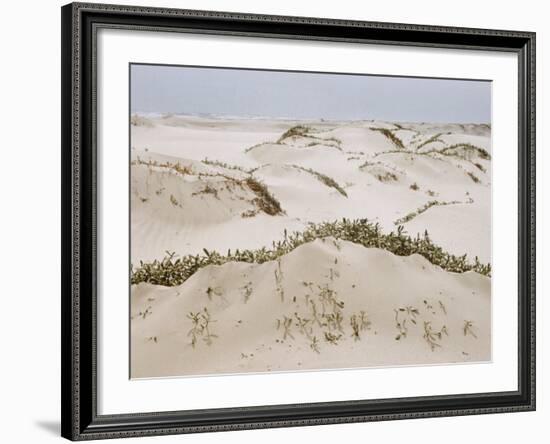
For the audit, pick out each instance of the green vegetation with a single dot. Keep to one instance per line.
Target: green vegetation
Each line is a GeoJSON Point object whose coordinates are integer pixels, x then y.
{"type": "Point", "coordinates": [247, 291]}
{"type": "Point", "coordinates": [433, 337]}
{"type": "Point", "coordinates": [380, 170]}
{"type": "Point", "coordinates": [174, 201]}
{"type": "Point", "coordinates": [359, 322]}
{"type": "Point", "coordinates": [279, 280]}
{"type": "Point", "coordinates": [176, 167]}
{"type": "Point", "coordinates": [208, 189]}
{"type": "Point", "coordinates": [400, 325]}
{"type": "Point", "coordinates": [432, 203]}
{"type": "Point", "coordinates": [386, 177]}
{"type": "Point", "coordinates": [389, 134]}
{"type": "Point", "coordinates": [323, 317]}
{"type": "Point", "coordinates": [249, 213]}
{"type": "Point", "coordinates": [323, 178]}
{"type": "Point", "coordinates": [402, 316]}
{"type": "Point", "coordinates": [466, 151]}
{"type": "Point", "coordinates": [200, 327]}
{"type": "Point", "coordinates": [332, 338]}
{"type": "Point", "coordinates": [468, 328]}
{"type": "Point", "coordinates": [224, 165]}
{"type": "Point", "coordinates": [434, 138]}
{"type": "Point", "coordinates": [172, 271]}
{"type": "Point", "coordinates": [295, 131]}
{"type": "Point", "coordinates": [306, 131]}
{"type": "Point", "coordinates": [480, 167]}
{"type": "Point", "coordinates": [473, 177]}
{"type": "Point", "coordinates": [213, 291]}
{"type": "Point", "coordinates": [264, 199]}
{"type": "Point", "coordinates": [286, 324]}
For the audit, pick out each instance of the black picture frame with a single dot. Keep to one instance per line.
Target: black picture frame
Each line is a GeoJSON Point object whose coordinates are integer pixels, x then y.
{"type": "Point", "coordinates": [80, 419]}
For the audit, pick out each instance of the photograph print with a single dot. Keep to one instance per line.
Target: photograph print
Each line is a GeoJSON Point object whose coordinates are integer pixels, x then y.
{"type": "Point", "coordinates": [294, 221]}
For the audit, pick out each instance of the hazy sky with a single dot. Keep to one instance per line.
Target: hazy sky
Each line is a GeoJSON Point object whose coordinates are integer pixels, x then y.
{"type": "Point", "coordinates": [237, 92]}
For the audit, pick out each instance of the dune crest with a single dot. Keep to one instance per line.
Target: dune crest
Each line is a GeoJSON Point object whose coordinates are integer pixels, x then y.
{"type": "Point", "coordinates": [327, 304]}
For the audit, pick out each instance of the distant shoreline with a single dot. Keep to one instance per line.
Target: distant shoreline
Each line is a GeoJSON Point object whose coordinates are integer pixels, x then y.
{"type": "Point", "coordinates": [156, 114]}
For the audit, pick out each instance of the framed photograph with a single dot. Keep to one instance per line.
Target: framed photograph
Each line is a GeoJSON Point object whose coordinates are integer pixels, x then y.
{"type": "Point", "coordinates": [281, 221]}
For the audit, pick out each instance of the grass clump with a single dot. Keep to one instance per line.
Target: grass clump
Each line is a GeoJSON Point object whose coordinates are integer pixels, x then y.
{"type": "Point", "coordinates": [402, 316]}
{"type": "Point", "coordinates": [177, 167]}
{"type": "Point", "coordinates": [225, 165]}
{"type": "Point", "coordinates": [324, 317]}
{"type": "Point", "coordinates": [200, 327]}
{"type": "Point", "coordinates": [174, 201]}
{"type": "Point", "coordinates": [434, 138]}
{"type": "Point", "coordinates": [432, 203]}
{"type": "Point", "coordinates": [386, 177]}
{"type": "Point", "coordinates": [306, 131]}
{"type": "Point", "coordinates": [389, 134]}
{"type": "Point", "coordinates": [172, 271]}
{"type": "Point", "coordinates": [286, 325]}
{"type": "Point", "coordinates": [480, 167]}
{"type": "Point", "coordinates": [249, 213]}
{"type": "Point", "coordinates": [358, 323]}
{"type": "Point", "coordinates": [264, 200]}
{"type": "Point", "coordinates": [433, 337]}
{"type": "Point", "coordinates": [208, 189]}
{"type": "Point", "coordinates": [332, 338]}
{"type": "Point", "coordinates": [380, 171]}
{"type": "Point", "coordinates": [247, 291]}
{"type": "Point", "coordinates": [473, 177]}
{"type": "Point", "coordinates": [323, 178]}
{"type": "Point", "coordinates": [295, 131]}
{"type": "Point", "coordinates": [468, 328]}
{"type": "Point", "coordinates": [401, 326]}
{"type": "Point", "coordinates": [466, 151]}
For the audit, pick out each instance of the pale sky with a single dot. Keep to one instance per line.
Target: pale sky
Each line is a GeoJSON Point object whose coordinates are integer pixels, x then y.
{"type": "Point", "coordinates": [298, 95]}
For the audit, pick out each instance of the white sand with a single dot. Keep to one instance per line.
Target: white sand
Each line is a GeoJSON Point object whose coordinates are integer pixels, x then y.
{"type": "Point", "coordinates": [366, 279]}
{"type": "Point", "coordinates": [204, 208]}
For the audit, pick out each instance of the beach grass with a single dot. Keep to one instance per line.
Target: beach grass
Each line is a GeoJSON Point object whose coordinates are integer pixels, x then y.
{"type": "Point", "coordinates": [173, 270]}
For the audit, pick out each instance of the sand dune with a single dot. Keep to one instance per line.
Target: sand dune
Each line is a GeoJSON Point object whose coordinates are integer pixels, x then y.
{"type": "Point", "coordinates": [420, 178]}
{"type": "Point", "coordinates": [213, 184]}
{"type": "Point", "coordinates": [438, 316]}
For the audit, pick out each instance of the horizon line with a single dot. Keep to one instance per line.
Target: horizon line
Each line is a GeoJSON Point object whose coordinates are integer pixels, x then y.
{"type": "Point", "coordinates": [163, 114]}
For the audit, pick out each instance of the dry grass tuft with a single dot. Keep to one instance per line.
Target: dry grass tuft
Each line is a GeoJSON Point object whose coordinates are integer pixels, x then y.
{"type": "Point", "coordinates": [295, 131]}
{"type": "Point", "coordinates": [473, 177]}
{"type": "Point", "coordinates": [466, 151]}
{"type": "Point", "coordinates": [323, 178]}
{"type": "Point", "coordinates": [264, 199]}
{"type": "Point", "coordinates": [392, 137]}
